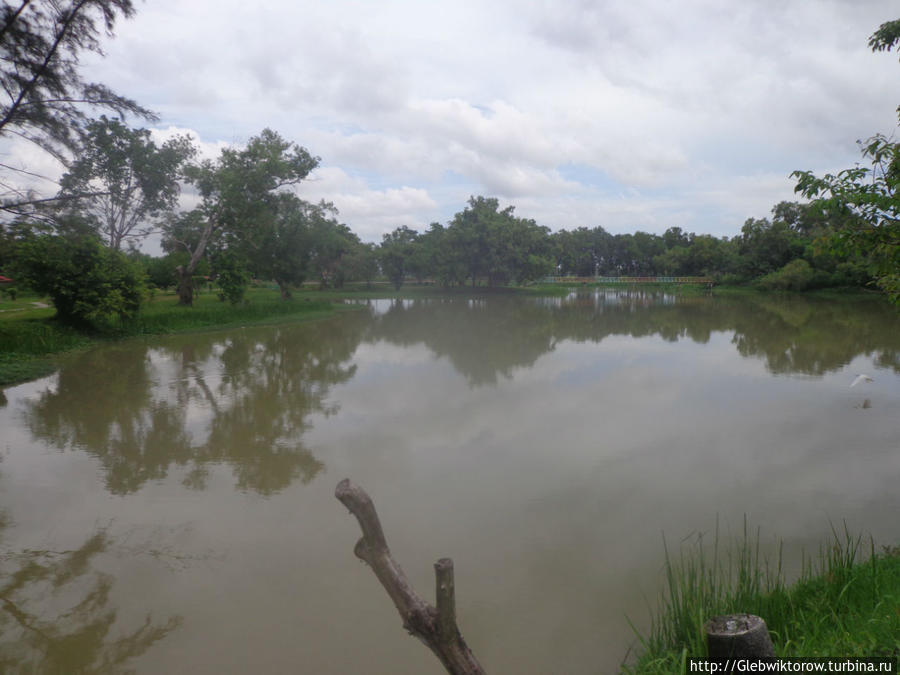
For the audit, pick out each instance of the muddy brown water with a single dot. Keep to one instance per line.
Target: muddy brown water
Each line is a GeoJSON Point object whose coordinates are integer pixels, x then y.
{"type": "Point", "coordinates": [167, 504]}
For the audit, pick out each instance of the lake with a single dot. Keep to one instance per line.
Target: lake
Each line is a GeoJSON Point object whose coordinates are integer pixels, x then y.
{"type": "Point", "coordinates": [168, 504]}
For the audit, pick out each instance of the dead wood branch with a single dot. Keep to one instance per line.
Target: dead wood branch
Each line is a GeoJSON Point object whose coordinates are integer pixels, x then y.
{"type": "Point", "coordinates": [436, 627]}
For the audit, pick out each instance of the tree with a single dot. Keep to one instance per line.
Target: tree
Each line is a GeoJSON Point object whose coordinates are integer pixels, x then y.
{"type": "Point", "coordinates": [160, 271]}
{"type": "Point", "coordinates": [124, 179]}
{"type": "Point", "coordinates": [46, 97]}
{"type": "Point", "coordinates": [89, 284]}
{"type": "Point", "coordinates": [675, 236]}
{"type": "Point", "coordinates": [237, 191]}
{"type": "Point", "coordinates": [869, 193]}
{"type": "Point", "coordinates": [491, 242]}
{"type": "Point", "coordinates": [395, 252]}
{"type": "Point", "coordinates": [573, 254]}
{"type": "Point", "coordinates": [439, 257]}
{"type": "Point", "coordinates": [280, 245]}
{"type": "Point", "coordinates": [645, 246]}
{"type": "Point", "coordinates": [331, 242]}
{"type": "Point", "coordinates": [361, 263]}
{"type": "Point", "coordinates": [528, 250]}
{"type": "Point", "coordinates": [767, 246]}
{"type": "Point", "coordinates": [232, 274]}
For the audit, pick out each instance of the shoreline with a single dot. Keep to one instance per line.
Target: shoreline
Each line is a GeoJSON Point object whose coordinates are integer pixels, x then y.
{"type": "Point", "coordinates": [33, 344]}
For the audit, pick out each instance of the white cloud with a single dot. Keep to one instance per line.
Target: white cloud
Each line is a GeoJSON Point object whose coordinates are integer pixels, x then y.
{"type": "Point", "coordinates": [370, 212]}
{"type": "Point", "coordinates": [694, 113]}
{"type": "Point", "coordinates": [27, 169]}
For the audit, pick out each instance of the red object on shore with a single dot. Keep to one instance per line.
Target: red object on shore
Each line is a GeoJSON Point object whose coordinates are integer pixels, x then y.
{"type": "Point", "coordinates": [5, 280]}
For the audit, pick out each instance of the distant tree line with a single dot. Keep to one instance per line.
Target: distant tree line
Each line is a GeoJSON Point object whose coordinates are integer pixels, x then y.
{"type": "Point", "coordinates": [80, 246]}
{"type": "Point", "coordinates": [790, 251]}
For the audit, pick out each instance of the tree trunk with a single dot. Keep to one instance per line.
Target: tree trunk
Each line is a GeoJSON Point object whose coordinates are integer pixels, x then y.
{"type": "Point", "coordinates": [186, 273]}
{"type": "Point", "coordinates": [436, 627]}
{"type": "Point", "coordinates": [185, 286]}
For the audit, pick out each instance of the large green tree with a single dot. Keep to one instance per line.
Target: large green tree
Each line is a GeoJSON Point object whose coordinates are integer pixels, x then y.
{"type": "Point", "coordinates": [582, 252]}
{"type": "Point", "coordinates": [361, 263]}
{"type": "Point", "coordinates": [123, 180]}
{"type": "Point", "coordinates": [395, 253]}
{"type": "Point", "coordinates": [437, 257]}
{"type": "Point", "coordinates": [45, 97]}
{"type": "Point", "coordinates": [280, 246]}
{"type": "Point", "coordinates": [491, 243]}
{"type": "Point", "coordinates": [237, 191]}
{"type": "Point", "coordinates": [333, 244]}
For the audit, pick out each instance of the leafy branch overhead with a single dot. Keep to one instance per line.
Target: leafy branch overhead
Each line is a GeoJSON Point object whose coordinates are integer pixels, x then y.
{"type": "Point", "coordinates": [868, 192]}
{"type": "Point", "coordinates": [886, 37]}
{"type": "Point", "coordinates": [46, 97]}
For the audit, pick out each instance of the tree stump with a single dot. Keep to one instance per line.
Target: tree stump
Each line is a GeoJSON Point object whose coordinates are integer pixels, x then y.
{"type": "Point", "coordinates": [738, 636]}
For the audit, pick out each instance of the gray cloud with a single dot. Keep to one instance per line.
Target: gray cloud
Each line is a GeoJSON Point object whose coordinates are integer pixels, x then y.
{"type": "Point", "coordinates": [696, 111]}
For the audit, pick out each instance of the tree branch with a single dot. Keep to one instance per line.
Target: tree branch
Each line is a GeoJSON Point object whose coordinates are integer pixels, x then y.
{"type": "Point", "coordinates": [43, 67]}
{"type": "Point", "coordinates": [28, 173]}
{"type": "Point", "coordinates": [12, 19]}
{"type": "Point", "coordinates": [435, 627]}
{"type": "Point", "coordinates": [65, 198]}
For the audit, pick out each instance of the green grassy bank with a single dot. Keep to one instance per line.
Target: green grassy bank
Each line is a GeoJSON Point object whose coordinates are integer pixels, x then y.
{"type": "Point", "coordinates": [846, 602]}
{"type": "Point", "coordinates": [31, 341]}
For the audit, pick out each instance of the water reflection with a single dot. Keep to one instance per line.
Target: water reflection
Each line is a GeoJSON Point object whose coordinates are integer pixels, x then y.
{"type": "Point", "coordinates": [195, 401]}
{"type": "Point", "coordinates": [483, 340]}
{"type": "Point", "coordinates": [57, 615]}
{"type": "Point", "coordinates": [488, 338]}
{"type": "Point", "coordinates": [520, 429]}
{"type": "Point", "coordinates": [244, 399]}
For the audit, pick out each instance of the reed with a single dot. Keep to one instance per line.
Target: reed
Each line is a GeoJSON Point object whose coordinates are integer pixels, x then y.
{"type": "Point", "coordinates": [841, 605]}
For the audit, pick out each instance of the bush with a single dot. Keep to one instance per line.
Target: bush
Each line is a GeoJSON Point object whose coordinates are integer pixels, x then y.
{"type": "Point", "coordinates": [797, 275]}
{"type": "Point", "coordinates": [89, 284]}
{"type": "Point", "coordinates": [232, 276]}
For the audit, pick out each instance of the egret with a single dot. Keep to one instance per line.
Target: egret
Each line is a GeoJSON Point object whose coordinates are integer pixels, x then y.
{"type": "Point", "coordinates": [861, 378]}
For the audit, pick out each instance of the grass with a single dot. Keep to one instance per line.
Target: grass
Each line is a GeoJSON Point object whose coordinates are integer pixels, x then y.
{"type": "Point", "coordinates": [31, 341]}
{"type": "Point", "coordinates": [27, 345]}
{"type": "Point", "coordinates": [262, 305]}
{"type": "Point", "coordinates": [840, 606]}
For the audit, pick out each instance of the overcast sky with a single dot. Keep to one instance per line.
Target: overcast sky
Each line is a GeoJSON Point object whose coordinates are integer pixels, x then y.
{"type": "Point", "coordinates": [629, 114]}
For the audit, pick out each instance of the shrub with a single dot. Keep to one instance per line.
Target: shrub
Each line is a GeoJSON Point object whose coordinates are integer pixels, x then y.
{"type": "Point", "coordinates": [797, 275]}
{"type": "Point", "coordinates": [232, 276]}
{"type": "Point", "coordinates": [89, 284]}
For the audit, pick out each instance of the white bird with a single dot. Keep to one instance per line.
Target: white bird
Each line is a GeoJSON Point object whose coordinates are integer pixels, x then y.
{"type": "Point", "coordinates": [861, 378]}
